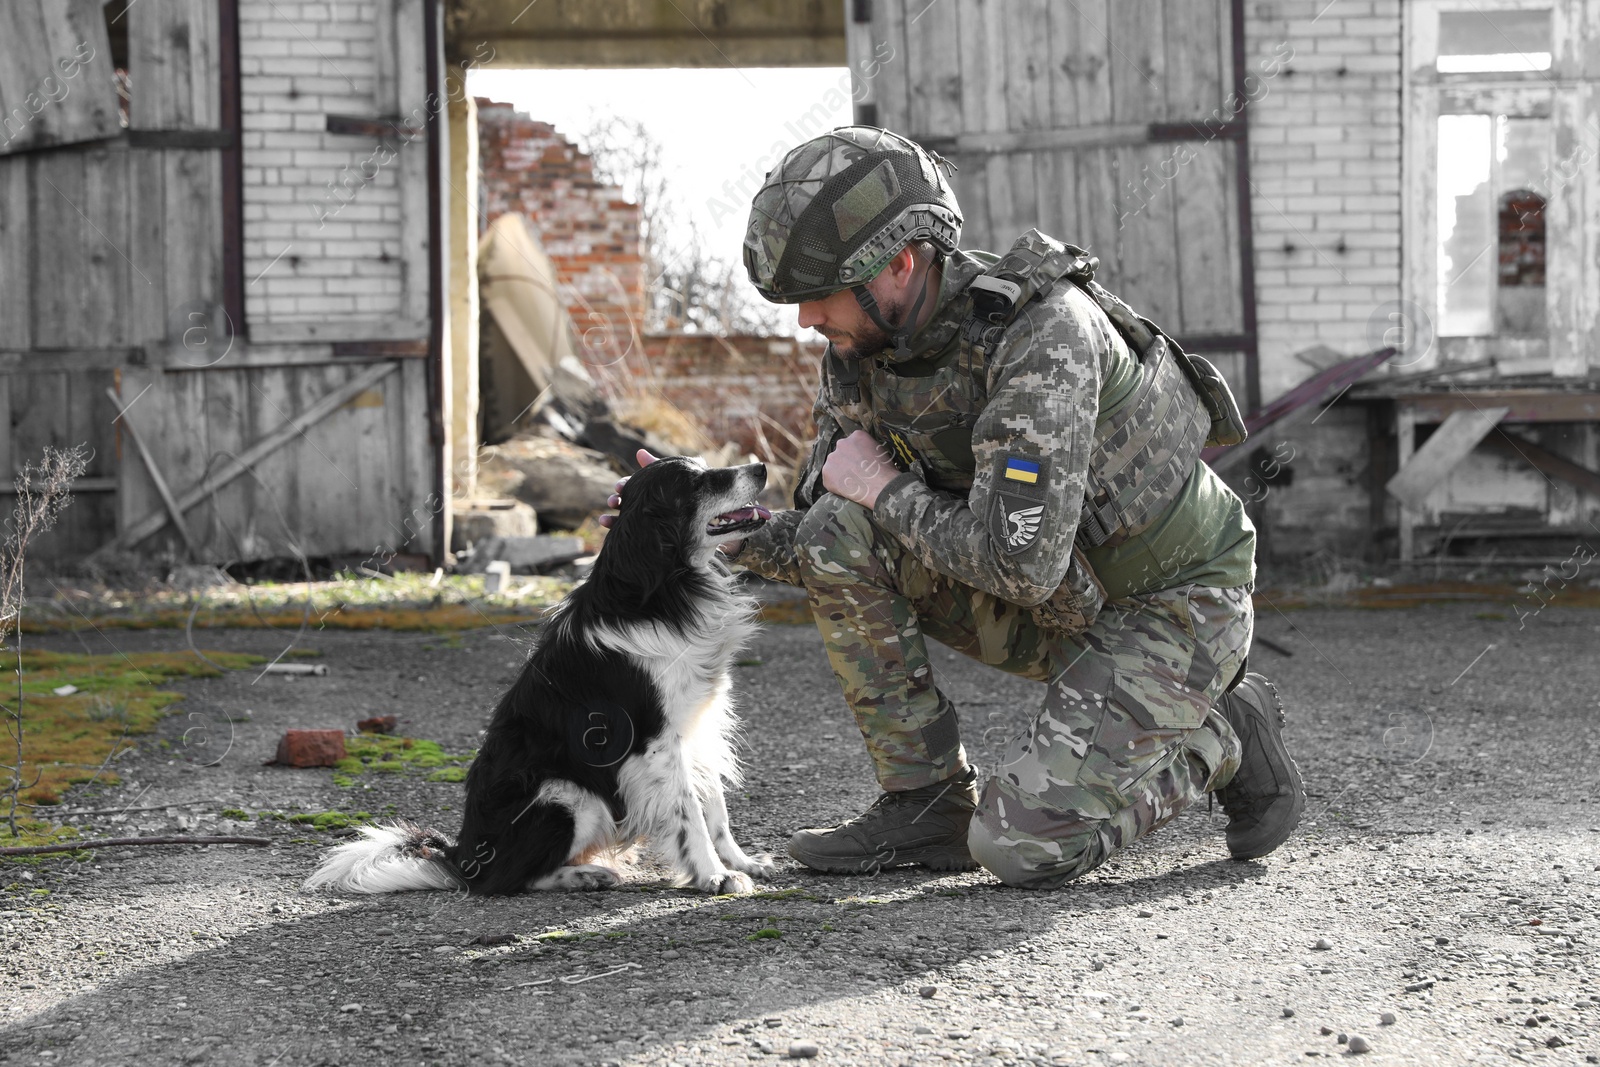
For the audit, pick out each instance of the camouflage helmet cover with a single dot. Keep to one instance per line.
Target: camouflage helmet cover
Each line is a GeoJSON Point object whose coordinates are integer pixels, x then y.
{"type": "Point", "coordinates": [838, 208]}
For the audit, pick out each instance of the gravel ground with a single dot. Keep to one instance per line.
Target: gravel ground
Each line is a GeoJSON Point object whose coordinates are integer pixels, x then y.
{"type": "Point", "coordinates": [1437, 906]}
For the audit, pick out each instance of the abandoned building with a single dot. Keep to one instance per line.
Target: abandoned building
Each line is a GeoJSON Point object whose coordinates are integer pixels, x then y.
{"type": "Point", "coordinates": [238, 240]}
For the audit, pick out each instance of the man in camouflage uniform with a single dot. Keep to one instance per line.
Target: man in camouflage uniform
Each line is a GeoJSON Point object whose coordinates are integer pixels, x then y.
{"type": "Point", "coordinates": [971, 482]}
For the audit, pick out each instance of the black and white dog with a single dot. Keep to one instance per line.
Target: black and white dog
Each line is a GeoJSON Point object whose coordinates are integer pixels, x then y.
{"type": "Point", "coordinates": [620, 726]}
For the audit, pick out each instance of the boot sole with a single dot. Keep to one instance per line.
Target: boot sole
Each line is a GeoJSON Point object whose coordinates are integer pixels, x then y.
{"type": "Point", "coordinates": [939, 858]}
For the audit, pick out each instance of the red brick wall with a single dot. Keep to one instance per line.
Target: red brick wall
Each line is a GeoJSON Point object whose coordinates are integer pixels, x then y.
{"type": "Point", "coordinates": [592, 236]}
{"type": "Point", "coordinates": [725, 381]}
{"type": "Point", "coordinates": [589, 230]}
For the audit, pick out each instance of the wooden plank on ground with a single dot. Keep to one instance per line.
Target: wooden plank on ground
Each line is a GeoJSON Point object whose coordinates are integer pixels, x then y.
{"type": "Point", "coordinates": [1449, 445]}
{"type": "Point", "coordinates": [227, 471]}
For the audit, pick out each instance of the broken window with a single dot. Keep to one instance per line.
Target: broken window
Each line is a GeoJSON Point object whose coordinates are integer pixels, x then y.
{"type": "Point", "coordinates": [1492, 191]}
{"type": "Point", "coordinates": [1477, 41]}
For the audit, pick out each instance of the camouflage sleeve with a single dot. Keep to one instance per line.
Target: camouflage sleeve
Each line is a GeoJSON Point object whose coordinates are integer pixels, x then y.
{"type": "Point", "coordinates": [1012, 534]}
{"type": "Point", "coordinates": [769, 551]}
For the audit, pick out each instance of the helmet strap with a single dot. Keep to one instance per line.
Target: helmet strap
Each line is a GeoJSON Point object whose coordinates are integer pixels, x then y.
{"type": "Point", "coordinates": [898, 335]}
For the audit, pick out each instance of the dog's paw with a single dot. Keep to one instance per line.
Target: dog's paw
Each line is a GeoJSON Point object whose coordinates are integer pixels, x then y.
{"type": "Point", "coordinates": [582, 878]}
{"type": "Point", "coordinates": [727, 883]}
{"type": "Point", "coordinates": [762, 866]}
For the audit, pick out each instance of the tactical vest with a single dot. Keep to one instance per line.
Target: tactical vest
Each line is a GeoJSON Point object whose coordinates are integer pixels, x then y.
{"type": "Point", "coordinates": [1143, 453]}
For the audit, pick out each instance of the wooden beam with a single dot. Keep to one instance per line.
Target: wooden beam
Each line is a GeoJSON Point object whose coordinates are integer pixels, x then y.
{"type": "Point", "coordinates": [1526, 405]}
{"type": "Point", "coordinates": [173, 511]}
{"type": "Point", "coordinates": [1543, 460]}
{"type": "Point", "coordinates": [279, 437]}
{"type": "Point", "coordinates": [1448, 446]}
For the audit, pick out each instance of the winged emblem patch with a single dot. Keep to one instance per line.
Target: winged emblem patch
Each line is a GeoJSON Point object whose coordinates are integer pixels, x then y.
{"type": "Point", "coordinates": [1023, 526]}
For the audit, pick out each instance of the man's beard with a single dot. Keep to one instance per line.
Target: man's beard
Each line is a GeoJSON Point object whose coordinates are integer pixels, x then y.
{"type": "Point", "coordinates": [870, 339]}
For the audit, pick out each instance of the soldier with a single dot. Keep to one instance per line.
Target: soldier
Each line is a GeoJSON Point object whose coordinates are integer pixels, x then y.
{"type": "Point", "coordinates": [1007, 460]}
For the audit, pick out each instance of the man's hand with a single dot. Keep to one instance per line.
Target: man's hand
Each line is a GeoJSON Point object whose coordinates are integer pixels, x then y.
{"type": "Point", "coordinates": [858, 469]}
{"type": "Point", "coordinates": [615, 499]}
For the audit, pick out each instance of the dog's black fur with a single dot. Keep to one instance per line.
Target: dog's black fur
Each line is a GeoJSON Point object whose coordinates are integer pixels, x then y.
{"type": "Point", "coordinates": [582, 753]}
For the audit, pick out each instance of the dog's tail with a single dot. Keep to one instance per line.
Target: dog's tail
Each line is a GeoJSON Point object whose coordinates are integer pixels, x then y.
{"type": "Point", "coordinates": [391, 858]}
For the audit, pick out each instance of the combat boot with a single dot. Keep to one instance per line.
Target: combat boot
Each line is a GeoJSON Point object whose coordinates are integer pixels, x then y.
{"type": "Point", "coordinates": [1265, 798]}
{"type": "Point", "coordinates": [925, 826]}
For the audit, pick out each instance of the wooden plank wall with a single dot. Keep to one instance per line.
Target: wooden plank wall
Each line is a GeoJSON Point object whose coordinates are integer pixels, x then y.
{"type": "Point", "coordinates": [110, 259]}
{"type": "Point", "coordinates": [56, 81]}
{"type": "Point", "coordinates": [1045, 108]}
{"type": "Point", "coordinates": [346, 486]}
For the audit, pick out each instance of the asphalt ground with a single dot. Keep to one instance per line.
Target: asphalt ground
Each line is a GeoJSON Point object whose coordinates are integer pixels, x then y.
{"type": "Point", "coordinates": [1447, 868]}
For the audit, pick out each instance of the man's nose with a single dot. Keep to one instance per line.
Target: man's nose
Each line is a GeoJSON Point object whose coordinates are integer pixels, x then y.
{"type": "Point", "coordinates": [811, 314]}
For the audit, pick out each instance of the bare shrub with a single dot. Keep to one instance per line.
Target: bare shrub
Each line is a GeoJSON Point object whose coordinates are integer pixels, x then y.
{"type": "Point", "coordinates": [42, 492]}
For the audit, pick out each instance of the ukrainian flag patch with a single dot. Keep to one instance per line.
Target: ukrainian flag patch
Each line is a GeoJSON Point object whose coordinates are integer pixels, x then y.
{"type": "Point", "coordinates": [1021, 470]}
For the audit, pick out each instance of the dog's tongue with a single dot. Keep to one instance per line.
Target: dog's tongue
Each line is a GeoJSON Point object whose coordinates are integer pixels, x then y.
{"type": "Point", "coordinates": [745, 515]}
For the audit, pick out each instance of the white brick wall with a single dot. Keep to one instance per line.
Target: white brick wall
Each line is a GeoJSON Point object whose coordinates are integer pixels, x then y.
{"type": "Point", "coordinates": [340, 254]}
{"type": "Point", "coordinates": [1325, 163]}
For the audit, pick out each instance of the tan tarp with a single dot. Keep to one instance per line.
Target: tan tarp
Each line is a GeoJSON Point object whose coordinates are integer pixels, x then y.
{"type": "Point", "coordinates": [530, 362]}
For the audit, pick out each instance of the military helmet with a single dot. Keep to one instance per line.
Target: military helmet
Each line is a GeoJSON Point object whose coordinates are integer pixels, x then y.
{"type": "Point", "coordinates": [838, 208]}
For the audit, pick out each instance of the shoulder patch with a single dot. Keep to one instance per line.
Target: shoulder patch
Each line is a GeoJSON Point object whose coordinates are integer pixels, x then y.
{"type": "Point", "coordinates": [1018, 500]}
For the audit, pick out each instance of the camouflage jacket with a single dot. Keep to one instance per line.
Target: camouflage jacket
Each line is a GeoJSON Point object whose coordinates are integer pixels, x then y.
{"type": "Point", "coordinates": [1001, 518]}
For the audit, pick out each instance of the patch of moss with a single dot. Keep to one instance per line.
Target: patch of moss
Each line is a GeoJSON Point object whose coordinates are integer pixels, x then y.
{"type": "Point", "coordinates": [32, 832]}
{"type": "Point", "coordinates": [766, 933]}
{"type": "Point", "coordinates": [786, 894]}
{"type": "Point", "coordinates": [331, 820]}
{"type": "Point", "coordinates": [235, 814]}
{"type": "Point", "coordinates": [403, 601]}
{"type": "Point", "coordinates": [68, 738]}
{"type": "Point", "coordinates": [384, 754]}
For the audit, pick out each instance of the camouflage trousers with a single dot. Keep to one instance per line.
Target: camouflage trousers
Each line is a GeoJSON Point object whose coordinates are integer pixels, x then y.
{"type": "Point", "coordinates": [1127, 736]}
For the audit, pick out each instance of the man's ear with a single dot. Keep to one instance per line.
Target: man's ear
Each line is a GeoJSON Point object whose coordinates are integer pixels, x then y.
{"type": "Point", "coordinates": [903, 266]}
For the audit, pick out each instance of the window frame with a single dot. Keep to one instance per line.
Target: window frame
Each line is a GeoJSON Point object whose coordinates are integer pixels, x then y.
{"type": "Point", "coordinates": [1556, 94]}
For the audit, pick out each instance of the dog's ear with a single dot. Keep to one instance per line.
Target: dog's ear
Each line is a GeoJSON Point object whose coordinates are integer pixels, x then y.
{"type": "Point", "coordinates": [642, 547]}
